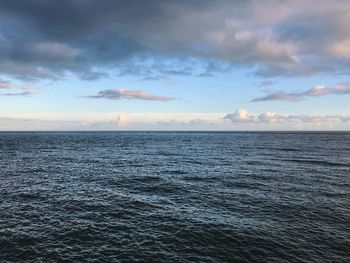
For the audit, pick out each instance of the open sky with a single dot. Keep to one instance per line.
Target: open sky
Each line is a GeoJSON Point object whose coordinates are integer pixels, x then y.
{"type": "Point", "coordinates": [174, 65]}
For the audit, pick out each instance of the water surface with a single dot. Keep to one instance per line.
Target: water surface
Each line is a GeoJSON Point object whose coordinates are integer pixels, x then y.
{"type": "Point", "coordinates": [174, 197]}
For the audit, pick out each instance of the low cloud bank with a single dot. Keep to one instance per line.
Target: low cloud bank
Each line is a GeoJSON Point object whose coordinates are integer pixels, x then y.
{"type": "Point", "coordinates": [241, 119]}
{"type": "Point", "coordinates": [242, 116]}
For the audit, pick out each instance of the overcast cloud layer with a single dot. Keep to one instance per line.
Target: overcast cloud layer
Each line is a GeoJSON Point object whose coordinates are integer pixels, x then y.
{"type": "Point", "coordinates": [49, 39]}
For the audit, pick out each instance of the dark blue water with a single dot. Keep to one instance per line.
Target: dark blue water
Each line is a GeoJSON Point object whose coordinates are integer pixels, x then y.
{"type": "Point", "coordinates": [174, 197]}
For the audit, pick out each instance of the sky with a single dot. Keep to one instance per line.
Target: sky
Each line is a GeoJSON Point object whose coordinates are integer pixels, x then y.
{"type": "Point", "coordinates": [174, 65]}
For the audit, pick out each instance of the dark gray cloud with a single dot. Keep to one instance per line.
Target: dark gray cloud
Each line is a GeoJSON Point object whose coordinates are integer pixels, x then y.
{"type": "Point", "coordinates": [318, 91]}
{"type": "Point", "coordinates": [116, 94]}
{"type": "Point", "coordinates": [48, 39]}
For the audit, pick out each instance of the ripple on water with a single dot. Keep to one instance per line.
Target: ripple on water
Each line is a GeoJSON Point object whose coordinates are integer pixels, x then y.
{"type": "Point", "coordinates": [174, 197]}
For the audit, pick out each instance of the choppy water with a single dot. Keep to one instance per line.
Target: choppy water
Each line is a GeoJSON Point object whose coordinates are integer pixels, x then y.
{"type": "Point", "coordinates": [175, 197]}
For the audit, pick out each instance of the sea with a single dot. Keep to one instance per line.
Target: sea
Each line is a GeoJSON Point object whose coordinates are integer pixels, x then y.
{"type": "Point", "coordinates": [174, 197]}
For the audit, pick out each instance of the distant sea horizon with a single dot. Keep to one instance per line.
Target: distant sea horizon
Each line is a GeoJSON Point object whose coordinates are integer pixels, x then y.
{"type": "Point", "coordinates": [223, 131]}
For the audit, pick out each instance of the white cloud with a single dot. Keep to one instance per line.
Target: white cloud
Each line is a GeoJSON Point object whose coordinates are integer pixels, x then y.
{"type": "Point", "coordinates": [242, 116]}
{"type": "Point", "coordinates": [122, 121]}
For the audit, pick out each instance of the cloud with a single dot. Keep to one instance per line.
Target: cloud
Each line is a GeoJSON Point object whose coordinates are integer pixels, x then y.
{"type": "Point", "coordinates": [27, 93]}
{"type": "Point", "coordinates": [28, 124]}
{"type": "Point", "coordinates": [240, 120]}
{"type": "Point", "coordinates": [110, 121]}
{"type": "Point", "coordinates": [4, 84]}
{"type": "Point", "coordinates": [317, 91]}
{"type": "Point", "coordinates": [242, 116]}
{"type": "Point", "coordinates": [122, 121]}
{"type": "Point", "coordinates": [198, 121]}
{"type": "Point", "coordinates": [266, 84]}
{"type": "Point", "coordinates": [279, 96]}
{"type": "Point", "coordinates": [116, 94]}
{"type": "Point", "coordinates": [43, 39]}
{"type": "Point", "coordinates": [48, 52]}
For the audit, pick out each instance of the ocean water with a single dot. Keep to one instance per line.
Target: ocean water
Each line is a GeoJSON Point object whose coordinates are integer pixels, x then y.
{"type": "Point", "coordinates": [174, 197]}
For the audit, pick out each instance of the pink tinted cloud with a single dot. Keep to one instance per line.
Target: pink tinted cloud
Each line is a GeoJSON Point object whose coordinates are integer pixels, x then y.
{"type": "Point", "coordinates": [116, 94]}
